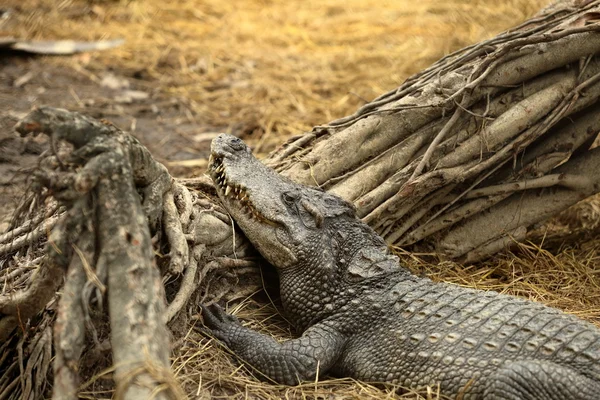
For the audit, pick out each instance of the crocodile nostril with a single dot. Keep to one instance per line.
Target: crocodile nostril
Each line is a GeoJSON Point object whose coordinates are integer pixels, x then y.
{"type": "Point", "coordinates": [236, 143]}
{"type": "Point", "coordinates": [228, 144]}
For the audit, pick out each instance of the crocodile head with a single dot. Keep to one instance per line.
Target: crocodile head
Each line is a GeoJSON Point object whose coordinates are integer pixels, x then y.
{"type": "Point", "coordinates": [282, 219]}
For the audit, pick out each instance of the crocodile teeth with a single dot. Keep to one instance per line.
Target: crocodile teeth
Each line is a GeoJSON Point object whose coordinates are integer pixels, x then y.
{"type": "Point", "coordinates": [227, 190]}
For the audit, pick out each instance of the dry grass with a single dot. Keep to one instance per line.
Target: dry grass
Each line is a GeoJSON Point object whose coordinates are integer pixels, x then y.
{"type": "Point", "coordinates": [270, 69]}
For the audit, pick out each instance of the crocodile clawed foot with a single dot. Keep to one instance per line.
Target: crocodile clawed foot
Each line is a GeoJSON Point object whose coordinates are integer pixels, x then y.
{"type": "Point", "coordinates": [220, 324]}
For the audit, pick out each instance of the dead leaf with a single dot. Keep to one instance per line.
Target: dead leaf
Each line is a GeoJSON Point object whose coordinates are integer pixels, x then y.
{"type": "Point", "coordinates": [57, 47]}
{"type": "Point", "coordinates": [114, 82]}
{"type": "Point", "coordinates": [130, 96]}
{"type": "Point", "coordinates": [23, 79]}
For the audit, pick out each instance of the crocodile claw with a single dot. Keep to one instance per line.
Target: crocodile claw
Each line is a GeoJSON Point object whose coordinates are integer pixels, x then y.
{"type": "Point", "coordinates": [220, 324]}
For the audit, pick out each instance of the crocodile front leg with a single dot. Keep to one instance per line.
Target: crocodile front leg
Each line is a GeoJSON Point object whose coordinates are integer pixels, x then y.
{"type": "Point", "coordinates": [290, 362]}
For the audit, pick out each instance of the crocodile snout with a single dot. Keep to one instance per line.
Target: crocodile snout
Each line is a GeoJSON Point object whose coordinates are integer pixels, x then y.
{"type": "Point", "coordinates": [226, 144]}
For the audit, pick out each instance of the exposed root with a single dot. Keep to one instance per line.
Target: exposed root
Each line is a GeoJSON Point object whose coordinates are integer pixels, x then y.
{"type": "Point", "coordinates": [16, 308]}
{"type": "Point", "coordinates": [29, 225]}
{"type": "Point", "coordinates": [178, 248]}
{"type": "Point", "coordinates": [189, 284]}
{"type": "Point", "coordinates": [20, 238]}
{"type": "Point", "coordinates": [69, 328]}
{"type": "Point", "coordinates": [113, 165]}
{"type": "Point", "coordinates": [424, 162]}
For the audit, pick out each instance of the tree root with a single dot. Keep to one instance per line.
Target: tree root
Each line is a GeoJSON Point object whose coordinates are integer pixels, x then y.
{"type": "Point", "coordinates": [521, 211]}
{"type": "Point", "coordinates": [109, 185]}
{"type": "Point", "coordinates": [25, 236]}
{"type": "Point", "coordinates": [113, 164]}
{"type": "Point", "coordinates": [179, 251]}
{"type": "Point", "coordinates": [69, 328]}
{"type": "Point", "coordinates": [27, 226]}
{"type": "Point", "coordinates": [17, 308]}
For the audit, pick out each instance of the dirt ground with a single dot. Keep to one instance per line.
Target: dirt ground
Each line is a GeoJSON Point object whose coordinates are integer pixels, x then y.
{"type": "Point", "coordinates": [263, 70]}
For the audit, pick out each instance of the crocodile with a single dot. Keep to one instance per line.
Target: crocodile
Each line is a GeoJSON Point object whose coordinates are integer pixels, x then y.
{"type": "Point", "coordinates": [362, 315]}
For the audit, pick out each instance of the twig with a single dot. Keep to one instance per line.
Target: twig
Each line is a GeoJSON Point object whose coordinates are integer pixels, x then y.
{"type": "Point", "coordinates": [436, 141]}
{"type": "Point", "coordinates": [574, 182]}
{"type": "Point", "coordinates": [178, 247]}
{"type": "Point", "coordinates": [188, 285]}
{"type": "Point", "coordinates": [201, 182]}
{"type": "Point", "coordinates": [30, 237]}
{"type": "Point", "coordinates": [28, 225]}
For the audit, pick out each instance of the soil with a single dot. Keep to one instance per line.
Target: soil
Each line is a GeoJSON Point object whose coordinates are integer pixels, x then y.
{"type": "Point", "coordinates": [164, 124]}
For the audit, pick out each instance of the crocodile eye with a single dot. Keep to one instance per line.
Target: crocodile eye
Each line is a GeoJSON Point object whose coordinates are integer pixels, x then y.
{"type": "Point", "coordinates": [288, 198]}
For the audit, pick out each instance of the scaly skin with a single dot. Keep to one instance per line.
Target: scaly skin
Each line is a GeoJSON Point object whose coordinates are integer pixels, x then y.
{"type": "Point", "coordinates": [362, 315]}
